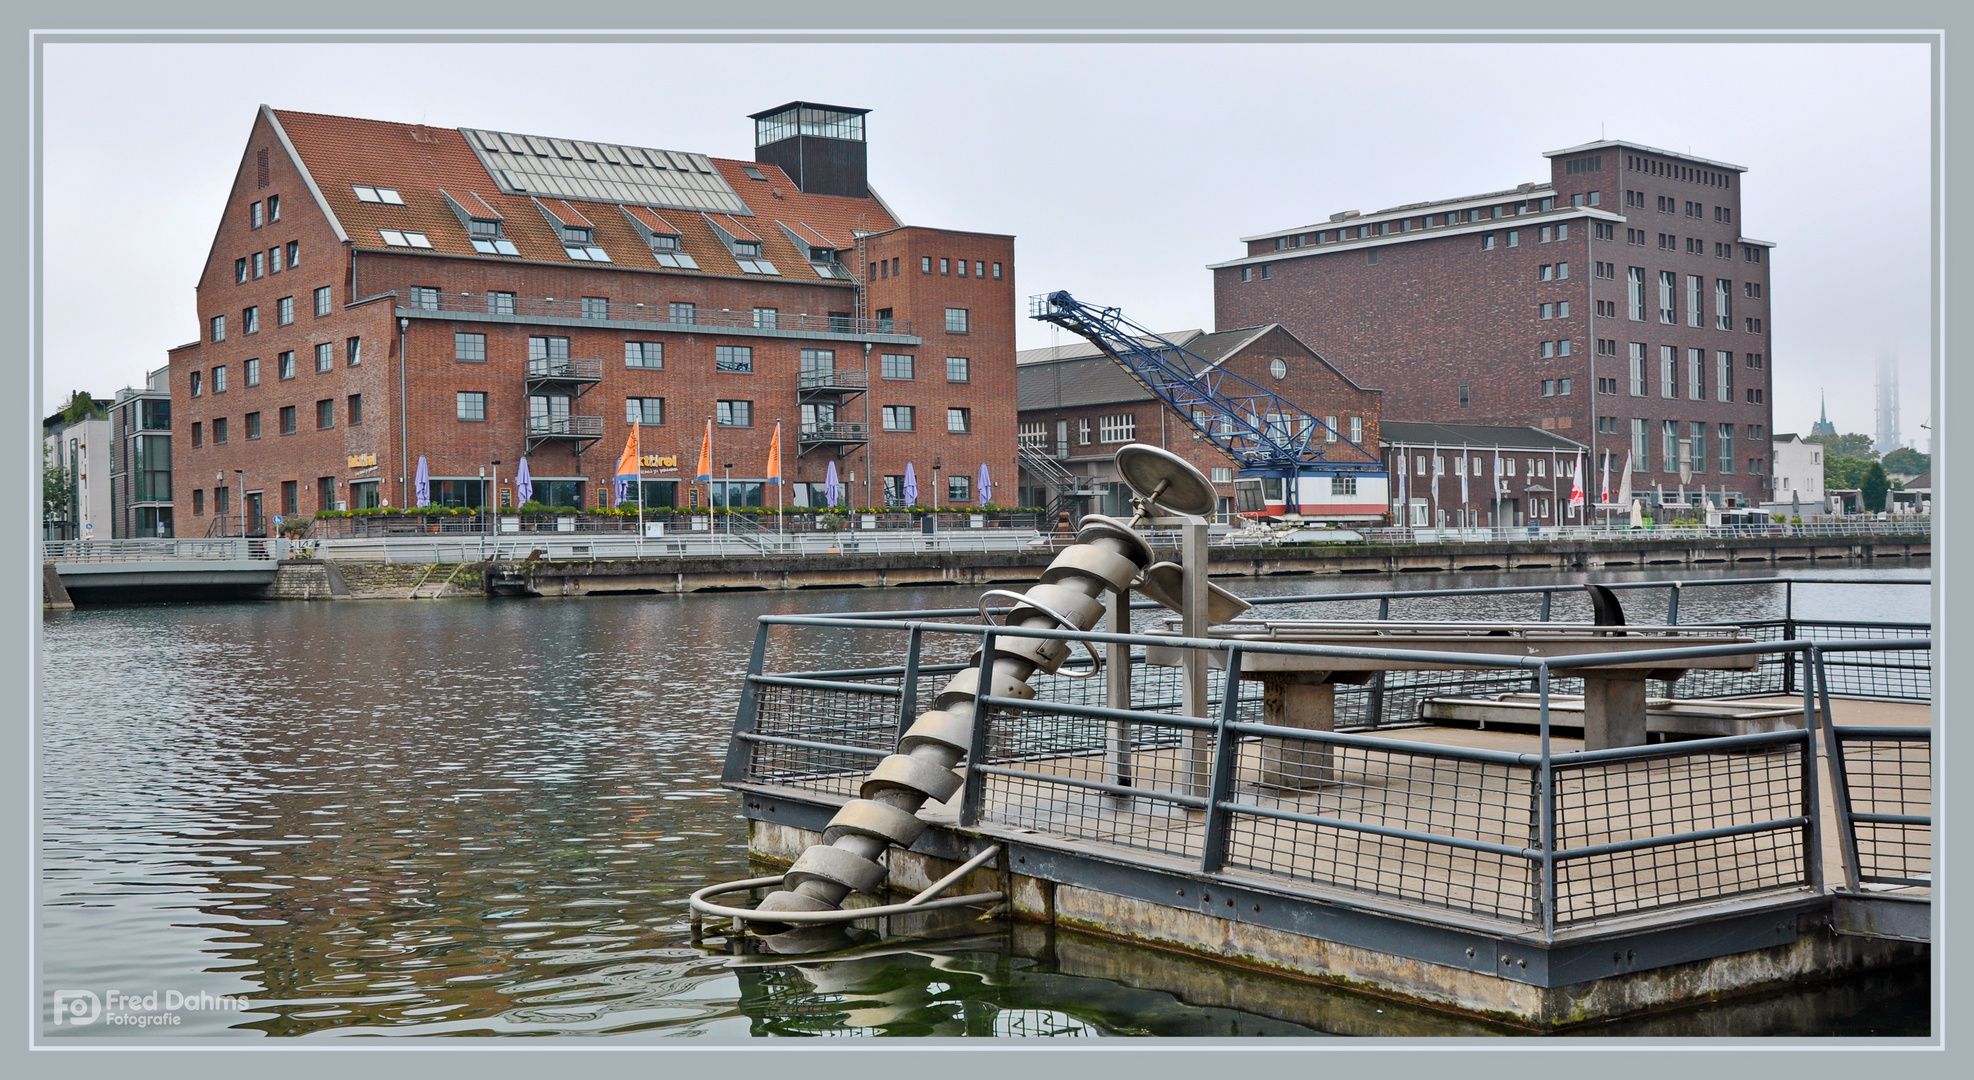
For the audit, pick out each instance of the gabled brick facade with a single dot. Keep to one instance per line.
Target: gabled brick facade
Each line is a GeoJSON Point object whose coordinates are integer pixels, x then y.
{"type": "Point", "coordinates": [417, 315]}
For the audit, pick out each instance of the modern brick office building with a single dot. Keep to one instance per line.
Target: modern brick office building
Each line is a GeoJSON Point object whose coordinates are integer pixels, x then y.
{"type": "Point", "coordinates": [1618, 304]}
{"type": "Point", "coordinates": [378, 292]}
{"type": "Point", "coordinates": [1078, 406]}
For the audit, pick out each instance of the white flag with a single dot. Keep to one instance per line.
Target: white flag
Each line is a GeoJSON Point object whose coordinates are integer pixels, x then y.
{"type": "Point", "coordinates": [1500, 482]}
{"type": "Point", "coordinates": [1605, 497]}
{"type": "Point", "coordinates": [1576, 483]}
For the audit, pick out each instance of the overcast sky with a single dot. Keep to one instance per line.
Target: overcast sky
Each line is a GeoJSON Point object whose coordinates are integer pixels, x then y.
{"type": "Point", "coordinates": [1121, 170]}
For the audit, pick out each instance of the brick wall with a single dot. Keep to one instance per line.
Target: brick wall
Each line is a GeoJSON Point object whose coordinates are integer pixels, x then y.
{"type": "Point", "coordinates": [432, 377]}
{"type": "Point", "coordinates": [1433, 312]}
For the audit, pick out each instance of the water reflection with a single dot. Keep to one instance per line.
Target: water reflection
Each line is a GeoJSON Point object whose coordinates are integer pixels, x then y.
{"type": "Point", "coordinates": [465, 817]}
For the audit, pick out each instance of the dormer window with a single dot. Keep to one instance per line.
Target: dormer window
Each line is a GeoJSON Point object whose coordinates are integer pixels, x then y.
{"type": "Point", "coordinates": [752, 172]}
{"type": "Point", "coordinates": [661, 236]}
{"type": "Point", "coordinates": [577, 234]}
{"type": "Point", "coordinates": [487, 239]}
{"type": "Point", "coordinates": [483, 224]}
{"type": "Point", "coordinates": [370, 194]}
{"type": "Point", "coordinates": [742, 244]}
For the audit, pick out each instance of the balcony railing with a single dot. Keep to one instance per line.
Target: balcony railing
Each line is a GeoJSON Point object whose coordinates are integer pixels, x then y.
{"type": "Point", "coordinates": [565, 427]}
{"type": "Point", "coordinates": [834, 431]}
{"type": "Point", "coordinates": [833, 380]}
{"type": "Point", "coordinates": [660, 315]}
{"type": "Point", "coordinates": [566, 369]}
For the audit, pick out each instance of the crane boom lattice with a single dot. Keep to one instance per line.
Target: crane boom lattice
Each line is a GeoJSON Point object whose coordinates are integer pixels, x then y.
{"type": "Point", "coordinates": [1267, 434]}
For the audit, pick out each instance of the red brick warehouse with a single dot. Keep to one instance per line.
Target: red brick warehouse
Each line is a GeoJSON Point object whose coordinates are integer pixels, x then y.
{"type": "Point", "coordinates": [1618, 304]}
{"type": "Point", "coordinates": [379, 292]}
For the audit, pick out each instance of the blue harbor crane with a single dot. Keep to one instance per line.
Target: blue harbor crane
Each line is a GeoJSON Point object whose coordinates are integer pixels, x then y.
{"type": "Point", "coordinates": [1268, 435]}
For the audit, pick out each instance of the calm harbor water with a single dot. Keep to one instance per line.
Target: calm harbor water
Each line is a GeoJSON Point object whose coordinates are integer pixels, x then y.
{"type": "Point", "coordinates": [467, 817]}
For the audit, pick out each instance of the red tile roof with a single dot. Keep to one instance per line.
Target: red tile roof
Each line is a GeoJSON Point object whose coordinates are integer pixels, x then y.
{"type": "Point", "coordinates": [419, 161]}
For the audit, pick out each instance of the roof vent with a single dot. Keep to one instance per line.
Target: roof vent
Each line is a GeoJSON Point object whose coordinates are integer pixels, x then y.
{"type": "Point", "coordinates": [1346, 215]}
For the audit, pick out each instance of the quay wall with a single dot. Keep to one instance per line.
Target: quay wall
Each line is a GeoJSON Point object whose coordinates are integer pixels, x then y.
{"type": "Point", "coordinates": [324, 579]}
{"type": "Point", "coordinates": [982, 569]}
{"type": "Point", "coordinates": [1805, 949]}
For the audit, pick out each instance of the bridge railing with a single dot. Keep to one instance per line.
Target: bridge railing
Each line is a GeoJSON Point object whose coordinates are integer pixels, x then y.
{"type": "Point", "coordinates": [202, 549]}
{"type": "Point", "coordinates": [1898, 526]}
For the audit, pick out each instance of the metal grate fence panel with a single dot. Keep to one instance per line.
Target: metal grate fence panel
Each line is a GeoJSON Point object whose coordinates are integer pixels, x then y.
{"type": "Point", "coordinates": [1418, 791]}
{"type": "Point", "coordinates": [851, 719]}
{"type": "Point", "coordinates": [1688, 800]}
{"type": "Point", "coordinates": [1047, 766]}
{"type": "Point", "coordinates": [1889, 775]}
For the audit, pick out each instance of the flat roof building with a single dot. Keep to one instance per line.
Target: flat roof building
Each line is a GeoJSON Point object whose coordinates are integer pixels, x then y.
{"type": "Point", "coordinates": [380, 293]}
{"type": "Point", "coordinates": [140, 469]}
{"type": "Point", "coordinates": [1618, 304]}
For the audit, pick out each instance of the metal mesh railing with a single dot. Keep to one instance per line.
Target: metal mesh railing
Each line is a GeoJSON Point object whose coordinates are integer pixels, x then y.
{"type": "Point", "coordinates": [1421, 804]}
{"type": "Point", "coordinates": [821, 736]}
{"type": "Point", "coordinates": [1137, 785]}
{"type": "Point", "coordinates": [1643, 833]}
{"type": "Point", "coordinates": [1886, 800]}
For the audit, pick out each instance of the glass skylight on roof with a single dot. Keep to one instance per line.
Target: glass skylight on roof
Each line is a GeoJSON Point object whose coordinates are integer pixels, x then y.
{"type": "Point", "coordinates": [369, 194]}
{"type": "Point", "coordinates": [587, 254]}
{"type": "Point", "coordinates": [677, 260]}
{"type": "Point", "coordinates": [758, 266]}
{"type": "Point", "coordinates": [398, 238]}
{"type": "Point", "coordinates": [495, 246]}
{"type": "Point", "coordinates": [524, 164]}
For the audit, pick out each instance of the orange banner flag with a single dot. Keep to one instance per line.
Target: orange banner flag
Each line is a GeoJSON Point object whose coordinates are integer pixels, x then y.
{"type": "Point", "coordinates": [706, 457]}
{"type": "Point", "coordinates": [774, 456]}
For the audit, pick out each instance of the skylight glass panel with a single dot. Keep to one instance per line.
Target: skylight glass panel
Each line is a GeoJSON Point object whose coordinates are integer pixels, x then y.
{"type": "Point", "coordinates": [758, 266]}
{"type": "Point", "coordinates": [390, 195]}
{"type": "Point", "coordinates": [365, 194]}
{"type": "Point", "coordinates": [394, 238]}
{"type": "Point", "coordinates": [484, 247]}
{"type": "Point", "coordinates": [597, 254]}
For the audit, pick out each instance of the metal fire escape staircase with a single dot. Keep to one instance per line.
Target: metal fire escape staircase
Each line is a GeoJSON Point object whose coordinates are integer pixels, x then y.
{"type": "Point", "coordinates": [1264, 433]}
{"type": "Point", "coordinates": [1069, 490]}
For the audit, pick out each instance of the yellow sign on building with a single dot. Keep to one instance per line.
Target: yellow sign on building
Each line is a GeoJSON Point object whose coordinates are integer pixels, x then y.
{"type": "Point", "coordinates": [363, 461]}
{"type": "Point", "coordinates": [659, 461]}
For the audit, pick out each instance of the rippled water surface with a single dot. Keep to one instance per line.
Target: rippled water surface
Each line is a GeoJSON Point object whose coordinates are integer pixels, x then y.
{"type": "Point", "coordinates": [469, 817]}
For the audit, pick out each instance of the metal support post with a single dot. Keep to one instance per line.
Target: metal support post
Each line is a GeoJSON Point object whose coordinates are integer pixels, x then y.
{"type": "Point", "coordinates": [1812, 781]}
{"type": "Point", "coordinates": [1546, 786]}
{"type": "Point", "coordinates": [976, 753]}
{"type": "Point", "coordinates": [1672, 606]}
{"type": "Point", "coordinates": [908, 684]}
{"type": "Point", "coordinates": [1374, 708]}
{"type": "Point", "coordinates": [1814, 673]}
{"type": "Point", "coordinates": [1226, 764]}
{"type": "Point", "coordinates": [1117, 690]}
{"type": "Point", "coordinates": [740, 751]}
{"type": "Point", "coordinates": [1193, 554]}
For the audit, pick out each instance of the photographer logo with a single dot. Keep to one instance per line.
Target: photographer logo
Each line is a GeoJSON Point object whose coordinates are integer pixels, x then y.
{"type": "Point", "coordinates": [77, 1007]}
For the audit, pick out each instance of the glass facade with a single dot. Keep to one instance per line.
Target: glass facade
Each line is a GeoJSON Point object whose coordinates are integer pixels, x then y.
{"type": "Point", "coordinates": [803, 120]}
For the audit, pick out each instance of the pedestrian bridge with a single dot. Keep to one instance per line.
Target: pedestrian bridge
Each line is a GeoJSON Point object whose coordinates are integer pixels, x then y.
{"type": "Point", "coordinates": [152, 564]}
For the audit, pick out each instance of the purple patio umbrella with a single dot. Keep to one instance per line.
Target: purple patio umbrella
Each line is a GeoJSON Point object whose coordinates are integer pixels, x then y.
{"type": "Point", "coordinates": [911, 485]}
{"type": "Point", "coordinates": [524, 483]}
{"type": "Point", "coordinates": [832, 489]}
{"type": "Point", "coordinates": [986, 486]}
{"type": "Point", "coordinates": [421, 484]}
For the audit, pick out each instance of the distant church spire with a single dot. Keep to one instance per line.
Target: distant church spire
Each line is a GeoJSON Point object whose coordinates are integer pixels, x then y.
{"type": "Point", "coordinates": [1823, 426]}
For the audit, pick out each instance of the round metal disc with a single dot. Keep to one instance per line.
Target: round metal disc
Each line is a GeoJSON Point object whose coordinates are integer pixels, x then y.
{"type": "Point", "coordinates": [1187, 491]}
